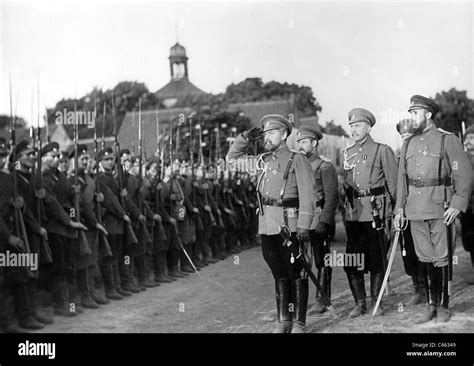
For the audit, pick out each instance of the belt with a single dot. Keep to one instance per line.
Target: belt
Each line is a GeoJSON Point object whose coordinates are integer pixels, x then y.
{"type": "Point", "coordinates": [369, 192]}
{"type": "Point", "coordinates": [289, 202]}
{"type": "Point", "coordinates": [420, 182]}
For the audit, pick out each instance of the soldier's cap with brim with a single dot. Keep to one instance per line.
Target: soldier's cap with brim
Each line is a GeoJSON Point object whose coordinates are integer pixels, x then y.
{"type": "Point", "coordinates": [51, 147]}
{"type": "Point", "coordinates": [81, 150]}
{"type": "Point", "coordinates": [419, 101]}
{"type": "Point", "coordinates": [125, 155]}
{"type": "Point", "coordinates": [469, 130]}
{"type": "Point", "coordinates": [275, 122]}
{"type": "Point", "coordinates": [106, 153]}
{"type": "Point", "coordinates": [361, 115]}
{"type": "Point", "coordinates": [151, 161]}
{"type": "Point", "coordinates": [309, 132]}
{"type": "Point", "coordinates": [23, 147]}
{"type": "Point", "coordinates": [403, 125]}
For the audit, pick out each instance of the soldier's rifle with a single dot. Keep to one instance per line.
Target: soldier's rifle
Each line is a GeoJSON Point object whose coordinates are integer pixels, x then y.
{"type": "Point", "coordinates": [205, 185]}
{"type": "Point", "coordinates": [99, 197]}
{"type": "Point", "coordinates": [17, 201]}
{"type": "Point", "coordinates": [84, 248]}
{"type": "Point", "coordinates": [40, 192]}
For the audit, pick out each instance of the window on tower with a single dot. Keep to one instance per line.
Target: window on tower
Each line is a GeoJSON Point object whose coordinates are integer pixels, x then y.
{"type": "Point", "coordinates": [178, 71]}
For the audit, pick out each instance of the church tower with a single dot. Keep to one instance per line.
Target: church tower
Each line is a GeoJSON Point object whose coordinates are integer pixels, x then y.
{"type": "Point", "coordinates": [178, 62]}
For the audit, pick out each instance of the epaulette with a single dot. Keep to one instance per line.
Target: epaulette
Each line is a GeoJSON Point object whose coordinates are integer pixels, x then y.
{"type": "Point", "coordinates": [324, 158]}
{"type": "Point", "coordinates": [444, 131]}
{"type": "Point", "coordinates": [348, 147]}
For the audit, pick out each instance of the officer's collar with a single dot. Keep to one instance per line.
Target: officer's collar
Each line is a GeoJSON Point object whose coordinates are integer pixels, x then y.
{"type": "Point", "coordinates": [314, 156]}
{"type": "Point", "coordinates": [283, 147]}
{"type": "Point", "coordinates": [367, 140]}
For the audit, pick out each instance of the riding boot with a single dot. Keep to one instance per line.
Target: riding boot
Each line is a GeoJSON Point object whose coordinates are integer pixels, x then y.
{"type": "Point", "coordinates": [282, 289]}
{"type": "Point", "coordinates": [432, 295]}
{"type": "Point", "coordinates": [97, 287]}
{"type": "Point", "coordinates": [143, 279]}
{"type": "Point", "coordinates": [159, 261]}
{"type": "Point", "coordinates": [357, 286]}
{"type": "Point", "coordinates": [84, 290]}
{"type": "Point", "coordinates": [318, 306]}
{"type": "Point", "coordinates": [419, 295]}
{"type": "Point", "coordinates": [442, 281]}
{"type": "Point", "coordinates": [376, 280]}
{"type": "Point", "coordinates": [301, 305]}
{"type": "Point", "coordinates": [107, 270]}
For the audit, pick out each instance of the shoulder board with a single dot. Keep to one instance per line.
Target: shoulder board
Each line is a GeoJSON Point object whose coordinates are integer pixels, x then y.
{"type": "Point", "coordinates": [348, 147]}
{"type": "Point", "coordinates": [444, 131]}
{"type": "Point", "coordinates": [324, 158]}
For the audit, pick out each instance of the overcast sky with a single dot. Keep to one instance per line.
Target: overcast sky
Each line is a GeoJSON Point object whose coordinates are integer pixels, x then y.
{"type": "Point", "coordinates": [373, 55]}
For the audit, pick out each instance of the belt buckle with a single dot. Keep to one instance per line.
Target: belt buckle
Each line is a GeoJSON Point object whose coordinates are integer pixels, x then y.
{"type": "Point", "coordinates": [418, 182]}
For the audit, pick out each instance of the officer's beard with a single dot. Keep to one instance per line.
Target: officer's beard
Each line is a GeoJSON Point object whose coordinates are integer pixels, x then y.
{"type": "Point", "coordinates": [416, 128]}
{"type": "Point", "coordinates": [269, 146]}
{"type": "Point", "coordinates": [307, 153]}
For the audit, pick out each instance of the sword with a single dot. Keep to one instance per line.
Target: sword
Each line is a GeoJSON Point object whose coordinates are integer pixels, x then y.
{"type": "Point", "coordinates": [298, 255]}
{"type": "Point", "coordinates": [387, 272]}
{"type": "Point", "coordinates": [187, 255]}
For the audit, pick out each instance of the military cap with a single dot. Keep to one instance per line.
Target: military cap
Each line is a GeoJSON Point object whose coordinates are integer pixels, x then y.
{"type": "Point", "coordinates": [151, 161]}
{"type": "Point", "coordinates": [51, 147]}
{"type": "Point", "coordinates": [125, 155]}
{"type": "Point", "coordinates": [105, 153]}
{"type": "Point", "coordinates": [23, 147]}
{"type": "Point", "coordinates": [419, 101]}
{"type": "Point", "coordinates": [64, 156]}
{"type": "Point", "coordinates": [275, 122]}
{"type": "Point", "coordinates": [469, 130]}
{"type": "Point", "coordinates": [361, 115]}
{"type": "Point", "coordinates": [403, 125]}
{"type": "Point", "coordinates": [305, 132]}
{"type": "Point", "coordinates": [81, 150]}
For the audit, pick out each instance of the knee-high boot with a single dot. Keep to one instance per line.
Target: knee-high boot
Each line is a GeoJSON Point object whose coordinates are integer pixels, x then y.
{"type": "Point", "coordinates": [282, 289]}
{"type": "Point", "coordinates": [301, 305]}
{"type": "Point", "coordinates": [432, 295]}
{"type": "Point", "coordinates": [357, 286]}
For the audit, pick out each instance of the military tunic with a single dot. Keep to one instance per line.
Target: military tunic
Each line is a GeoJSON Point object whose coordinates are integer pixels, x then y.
{"type": "Point", "coordinates": [300, 185]}
{"type": "Point", "coordinates": [423, 199]}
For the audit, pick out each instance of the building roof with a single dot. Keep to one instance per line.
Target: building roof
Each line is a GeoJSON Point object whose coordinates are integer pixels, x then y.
{"type": "Point", "coordinates": [177, 89]}
{"type": "Point", "coordinates": [177, 51]}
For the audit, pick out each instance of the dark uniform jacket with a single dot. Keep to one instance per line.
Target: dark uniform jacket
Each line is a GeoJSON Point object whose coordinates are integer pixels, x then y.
{"type": "Point", "coordinates": [327, 195]}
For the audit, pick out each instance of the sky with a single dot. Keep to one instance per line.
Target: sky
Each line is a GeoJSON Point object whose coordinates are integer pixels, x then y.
{"type": "Point", "coordinates": [372, 55]}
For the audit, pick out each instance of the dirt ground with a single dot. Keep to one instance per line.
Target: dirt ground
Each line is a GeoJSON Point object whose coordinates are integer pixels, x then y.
{"type": "Point", "coordinates": [237, 296]}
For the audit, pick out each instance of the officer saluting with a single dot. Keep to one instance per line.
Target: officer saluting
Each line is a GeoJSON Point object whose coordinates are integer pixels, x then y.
{"type": "Point", "coordinates": [370, 178]}
{"type": "Point", "coordinates": [434, 180]}
{"type": "Point", "coordinates": [287, 199]}
{"type": "Point", "coordinates": [323, 226]}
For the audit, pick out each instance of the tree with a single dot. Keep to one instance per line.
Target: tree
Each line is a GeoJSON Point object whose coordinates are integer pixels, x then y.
{"type": "Point", "coordinates": [455, 107]}
{"type": "Point", "coordinates": [332, 129]}
{"type": "Point", "coordinates": [5, 122]}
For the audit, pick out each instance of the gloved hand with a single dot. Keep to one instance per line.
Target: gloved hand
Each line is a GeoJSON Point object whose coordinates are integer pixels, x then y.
{"type": "Point", "coordinates": [253, 134]}
{"type": "Point", "coordinates": [397, 221]}
{"type": "Point", "coordinates": [322, 229]}
{"type": "Point", "coordinates": [302, 235]}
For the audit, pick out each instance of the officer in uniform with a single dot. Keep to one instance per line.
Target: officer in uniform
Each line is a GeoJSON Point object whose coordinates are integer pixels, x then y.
{"type": "Point", "coordinates": [411, 264]}
{"type": "Point", "coordinates": [467, 218]}
{"type": "Point", "coordinates": [327, 198]}
{"type": "Point", "coordinates": [287, 198]}
{"type": "Point", "coordinates": [370, 179]}
{"type": "Point", "coordinates": [434, 181]}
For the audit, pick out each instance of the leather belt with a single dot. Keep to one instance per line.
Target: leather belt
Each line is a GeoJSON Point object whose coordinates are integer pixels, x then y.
{"type": "Point", "coordinates": [420, 182]}
{"type": "Point", "coordinates": [290, 202]}
{"type": "Point", "coordinates": [369, 192]}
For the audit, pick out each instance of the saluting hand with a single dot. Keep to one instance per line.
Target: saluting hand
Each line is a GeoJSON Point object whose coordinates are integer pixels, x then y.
{"type": "Point", "coordinates": [450, 215]}
{"type": "Point", "coordinates": [253, 134]}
